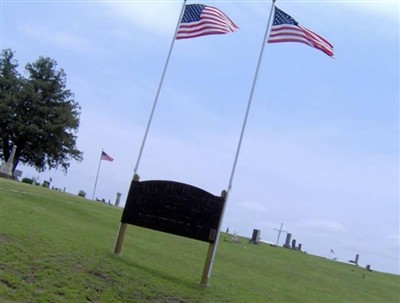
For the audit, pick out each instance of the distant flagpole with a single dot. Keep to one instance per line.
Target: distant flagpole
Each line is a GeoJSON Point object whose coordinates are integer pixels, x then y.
{"type": "Point", "coordinates": [158, 90]}
{"type": "Point", "coordinates": [97, 176]}
{"type": "Point", "coordinates": [241, 136]}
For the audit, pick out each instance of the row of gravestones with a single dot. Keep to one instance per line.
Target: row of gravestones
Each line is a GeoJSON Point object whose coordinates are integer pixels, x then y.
{"type": "Point", "coordinates": [291, 245]}
{"type": "Point", "coordinates": [256, 238]}
{"type": "Point", "coordinates": [294, 247]}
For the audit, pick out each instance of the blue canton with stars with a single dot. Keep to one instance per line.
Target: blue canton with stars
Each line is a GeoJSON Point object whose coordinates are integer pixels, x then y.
{"type": "Point", "coordinates": [283, 18]}
{"type": "Point", "coordinates": [192, 13]}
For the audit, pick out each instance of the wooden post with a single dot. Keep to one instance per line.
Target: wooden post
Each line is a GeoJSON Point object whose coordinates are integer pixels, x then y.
{"type": "Point", "coordinates": [211, 252]}
{"type": "Point", "coordinates": [207, 265]}
{"type": "Point", "coordinates": [120, 238]}
{"type": "Point", "coordinates": [122, 228]}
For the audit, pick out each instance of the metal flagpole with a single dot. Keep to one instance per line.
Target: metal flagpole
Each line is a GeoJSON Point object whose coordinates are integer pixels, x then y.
{"type": "Point", "coordinates": [241, 136]}
{"type": "Point", "coordinates": [158, 90]}
{"type": "Point", "coordinates": [97, 176]}
{"type": "Point", "coordinates": [251, 96]}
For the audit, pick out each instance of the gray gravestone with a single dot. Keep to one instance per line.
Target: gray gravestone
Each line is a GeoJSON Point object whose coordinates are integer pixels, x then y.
{"type": "Point", "coordinates": [118, 199]}
{"type": "Point", "coordinates": [6, 167]}
{"type": "Point", "coordinates": [287, 241]}
{"type": "Point", "coordinates": [356, 260]}
{"type": "Point", "coordinates": [255, 239]}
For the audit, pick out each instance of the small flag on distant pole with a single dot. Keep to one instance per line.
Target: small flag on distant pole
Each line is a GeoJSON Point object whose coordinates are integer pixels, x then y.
{"type": "Point", "coordinates": [201, 20]}
{"type": "Point", "coordinates": [287, 29]}
{"type": "Point", "coordinates": [106, 157]}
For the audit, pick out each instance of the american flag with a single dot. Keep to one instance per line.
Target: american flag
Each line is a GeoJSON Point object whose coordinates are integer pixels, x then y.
{"type": "Point", "coordinates": [106, 157]}
{"type": "Point", "coordinates": [200, 20]}
{"type": "Point", "coordinates": [287, 29]}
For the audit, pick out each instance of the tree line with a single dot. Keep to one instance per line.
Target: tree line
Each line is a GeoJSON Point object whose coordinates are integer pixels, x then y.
{"type": "Point", "coordinates": [38, 114]}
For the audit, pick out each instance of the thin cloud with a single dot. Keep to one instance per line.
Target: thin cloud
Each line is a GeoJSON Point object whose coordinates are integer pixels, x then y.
{"type": "Point", "coordinates": [156, 17]}
{"type": "Point", "coordinates": [324, 224]}
{"type": "Point", "coordinates": [253, 206]}
{"type": "Point", "coordinates": [387, 8]}
{"type": "Point", "coordinates": [60, 38]}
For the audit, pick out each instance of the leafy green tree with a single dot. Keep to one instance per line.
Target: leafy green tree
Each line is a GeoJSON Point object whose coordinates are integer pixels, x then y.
{"type": "Point", "coordinates": [37, 114]}
{"type": "Point", "coordinates": [10, 92]}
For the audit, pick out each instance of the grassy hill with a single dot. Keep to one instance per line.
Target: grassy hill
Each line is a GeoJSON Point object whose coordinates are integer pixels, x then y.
{"type": "Point", "coordinates": [56, 247]}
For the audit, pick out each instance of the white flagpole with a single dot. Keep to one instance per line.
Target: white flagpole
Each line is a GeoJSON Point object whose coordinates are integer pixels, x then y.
{"type": "Point", "coordinates": [158, 90]}
{"type": "Point", "coordinates": [241, 136]}
{"type": "Point", "coordinates": [97, 176]}
{"type": "Point", "coordinates": [251, 96]}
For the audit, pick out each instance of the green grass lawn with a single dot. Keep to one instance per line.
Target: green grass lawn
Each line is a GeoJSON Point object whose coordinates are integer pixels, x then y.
{"type": "Point", "coordinates": [57, 247]}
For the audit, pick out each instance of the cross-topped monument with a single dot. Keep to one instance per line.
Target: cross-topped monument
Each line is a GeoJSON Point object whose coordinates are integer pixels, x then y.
{"type": "Point", "coordinates": [279, 233]}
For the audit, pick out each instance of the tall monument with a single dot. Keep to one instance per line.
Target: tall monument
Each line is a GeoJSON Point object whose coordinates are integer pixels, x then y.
{"type": "Point", "coordinates": [287, 241]}
{"type": "Point", "coordinates": [6, 167]}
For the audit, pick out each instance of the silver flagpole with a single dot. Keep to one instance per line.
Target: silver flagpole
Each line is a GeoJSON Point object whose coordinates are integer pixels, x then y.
{"type": "Point", "coordinates": [241, 135]}
{"type": "Point", "coordinates": [251, 96]}
{"type": "Point", "coordinates": [158, 90]}
{"type": "Point", "coordinates": [97, 176]}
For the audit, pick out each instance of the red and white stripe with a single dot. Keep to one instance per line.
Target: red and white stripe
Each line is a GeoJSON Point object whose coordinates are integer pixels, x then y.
{"type": "Point", "coordinates": [294, 33]}
{"type": "Point", "coordinates": [212, 22]}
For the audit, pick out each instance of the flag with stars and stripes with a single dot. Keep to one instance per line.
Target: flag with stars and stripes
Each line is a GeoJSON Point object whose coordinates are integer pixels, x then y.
{"type": "Point", "coordinates": [201, 20]}
{"type": "Point", "coordinates": [287, 29]}
{"type": "Point", "coordinates": [106, 157]}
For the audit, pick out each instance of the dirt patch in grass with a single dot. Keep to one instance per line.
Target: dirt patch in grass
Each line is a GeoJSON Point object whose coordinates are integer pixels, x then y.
{"type": "Point", "coordinates": [4, 239]}
{"type": "Point", "coordinates": [29, 276]}
{"type": "Point", "coordinates": [171, 300]}
{"type": "Point", "coordinates": [9, 284]}
{"type": "Point", "coordinates": [102, 276]}
{"type": "Point", "coordinates": [94, 287]}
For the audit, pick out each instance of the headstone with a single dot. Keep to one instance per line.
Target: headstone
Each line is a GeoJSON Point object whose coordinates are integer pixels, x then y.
{"type": "Point", "coordinates": [6, 167]}
{"type": "Point", "coordinates": [235, 238]}
{"type": "Point", "coordinates": [356, 260]}
{"type": "Point", "coordinates": [255, 239]}
{"type": "Point", "coordinates": [287, 241]}
{"type": "Point", "coordinates": [294, 244]}
{"type": "Point", "coordinates": [117, 199]}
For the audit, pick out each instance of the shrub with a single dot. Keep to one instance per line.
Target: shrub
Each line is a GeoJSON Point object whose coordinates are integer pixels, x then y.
{"type": "Point", "coordinates": [82, 193]}
{"type": "Point", "coordinates": [27, 180]}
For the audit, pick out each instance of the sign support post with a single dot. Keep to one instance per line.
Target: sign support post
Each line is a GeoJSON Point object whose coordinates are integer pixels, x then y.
{"type": "Point", "coordinates": [211, 252]}
{"type": "Point", "coordinates": [122, 229]}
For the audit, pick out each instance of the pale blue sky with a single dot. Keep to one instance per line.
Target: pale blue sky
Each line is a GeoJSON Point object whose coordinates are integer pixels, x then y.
{"type": "Point", "coordinates": [321, 148]}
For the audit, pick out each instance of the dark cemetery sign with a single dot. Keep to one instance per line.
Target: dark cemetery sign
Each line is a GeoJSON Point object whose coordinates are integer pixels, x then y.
{"type": "Point", "coordinates": [175, 208]}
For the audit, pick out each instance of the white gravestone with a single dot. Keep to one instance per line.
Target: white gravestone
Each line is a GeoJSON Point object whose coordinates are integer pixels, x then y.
{"type": "Point", "coordinates": [6, 167]}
